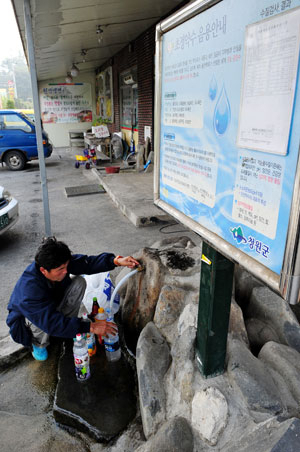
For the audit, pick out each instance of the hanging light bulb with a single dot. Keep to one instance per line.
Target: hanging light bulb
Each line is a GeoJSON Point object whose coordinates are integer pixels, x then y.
{"type": "Point", "coordinates": [83, 54]}
{"type": "Point", "coordinates": [74, 71]}
{"type": "Point", "coordinates": [99, 32]}
{"type": "Point", "coordinates": [69, 78]}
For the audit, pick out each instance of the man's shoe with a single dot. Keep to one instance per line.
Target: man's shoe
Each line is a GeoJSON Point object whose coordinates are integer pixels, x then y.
{"type": "Point", "coordinates": [39, 353]}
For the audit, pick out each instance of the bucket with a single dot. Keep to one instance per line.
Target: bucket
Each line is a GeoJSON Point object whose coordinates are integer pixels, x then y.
{"type": "Point", "coordinates": [112, 169]}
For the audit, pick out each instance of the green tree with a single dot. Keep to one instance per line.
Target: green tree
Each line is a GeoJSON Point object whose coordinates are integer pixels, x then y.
{"type": "Point", "coordinates": [10, 104]}
{"type": "Point", "coordinates": [16, 69]}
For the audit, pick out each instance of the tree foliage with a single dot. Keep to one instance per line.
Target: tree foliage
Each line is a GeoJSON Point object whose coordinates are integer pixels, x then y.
{"type": "Point", "coordinates": [10, 104]}
{"type": "Point", "coordinates": [15, 69]}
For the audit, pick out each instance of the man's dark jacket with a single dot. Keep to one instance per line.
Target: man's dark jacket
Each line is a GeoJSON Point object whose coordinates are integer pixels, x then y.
{"type": "Point", "coordinates": [36, 298]}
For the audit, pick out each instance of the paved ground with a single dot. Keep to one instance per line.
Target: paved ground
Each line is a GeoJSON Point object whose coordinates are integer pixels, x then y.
{"type": "Point", "coordinates": [136, 202]}
{"type": "Point", "coordinates": [88, 224]}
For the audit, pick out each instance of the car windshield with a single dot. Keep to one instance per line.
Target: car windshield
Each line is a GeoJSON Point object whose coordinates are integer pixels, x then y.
{"type": "Point", "coordinates": [27, 118]}
{"type": "Point", "coordinates": [13, 121]}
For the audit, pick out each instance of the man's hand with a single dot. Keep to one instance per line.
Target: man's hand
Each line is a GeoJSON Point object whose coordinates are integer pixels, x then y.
{"type": "Point", "coordinates": [103, 328]}
{"type": "Point", "coordinates": [128, 261]}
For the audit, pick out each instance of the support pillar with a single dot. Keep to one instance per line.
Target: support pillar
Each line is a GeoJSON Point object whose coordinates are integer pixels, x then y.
{"type": "Point", "coordinates": [216, 281]}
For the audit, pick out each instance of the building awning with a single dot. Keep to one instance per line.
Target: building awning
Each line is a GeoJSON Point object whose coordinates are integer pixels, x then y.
{"type": "Point", "coordinates": [86, 33]}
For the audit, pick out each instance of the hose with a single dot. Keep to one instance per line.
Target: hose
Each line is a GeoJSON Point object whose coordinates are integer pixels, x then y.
{"type": "Point", "coordinates": [120, 284]}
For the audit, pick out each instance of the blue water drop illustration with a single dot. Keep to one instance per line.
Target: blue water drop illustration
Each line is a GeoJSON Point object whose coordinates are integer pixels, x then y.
{"type": "Point", "coordinates": [222, 113]}
{"type": "Point", "coordinates": [213, 88]}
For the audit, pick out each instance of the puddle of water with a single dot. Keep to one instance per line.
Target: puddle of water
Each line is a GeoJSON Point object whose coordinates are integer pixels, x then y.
{"type": "Point", "coordinates": [103, 405]}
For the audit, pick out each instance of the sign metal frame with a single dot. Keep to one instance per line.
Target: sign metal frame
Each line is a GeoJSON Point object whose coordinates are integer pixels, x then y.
{"type": "Point", "coordinates": [287, 284]}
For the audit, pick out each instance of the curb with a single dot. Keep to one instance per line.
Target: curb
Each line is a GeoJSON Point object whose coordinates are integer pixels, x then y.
{"type": "Point", "coordinates": [137, 220]}
{"type": "Point", "coordinates": [11, 352]}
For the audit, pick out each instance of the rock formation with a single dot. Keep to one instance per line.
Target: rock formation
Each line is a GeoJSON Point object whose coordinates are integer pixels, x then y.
{"type": "Point", "coordinates": [253, 406]}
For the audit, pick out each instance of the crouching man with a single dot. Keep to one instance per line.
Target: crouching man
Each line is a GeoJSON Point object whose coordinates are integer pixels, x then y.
{"type": "Point", "coordinates": [46, 300]}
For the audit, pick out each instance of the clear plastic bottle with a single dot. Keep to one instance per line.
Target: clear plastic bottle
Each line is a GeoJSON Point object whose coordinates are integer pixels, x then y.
{"type": "Point", "coordinates": [100, 316]}
{"type": "Point", "coordinates": [89, 337]}
{"type": "Point", "coordinates": [112, 343]}
{"type": "Point", "coordinates": [81, 358]}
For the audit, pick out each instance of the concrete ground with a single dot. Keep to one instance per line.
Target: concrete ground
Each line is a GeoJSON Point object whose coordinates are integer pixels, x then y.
{"type": "Point", "coordinates": [136, 202]}
{"type": "Point", "coordinates": [89, 224]}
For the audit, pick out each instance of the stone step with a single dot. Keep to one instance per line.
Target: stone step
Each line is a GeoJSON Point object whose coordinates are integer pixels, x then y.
{"type": "Point", "coordinates": [102, 406]}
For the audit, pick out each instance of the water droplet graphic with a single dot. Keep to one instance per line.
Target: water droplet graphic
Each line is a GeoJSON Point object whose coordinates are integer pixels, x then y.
{"type": "Point", "coordinates": [222, 113]}
{"type": "Point", "coordinates": [213, 88]}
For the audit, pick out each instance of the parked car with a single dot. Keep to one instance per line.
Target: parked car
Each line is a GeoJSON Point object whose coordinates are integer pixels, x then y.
{"type": "Point", "coordinates": [9, 210]}
{"type": "Point", "coordinates": [18, 140]}
{"type": "Point", "coordinates": [27, 112]}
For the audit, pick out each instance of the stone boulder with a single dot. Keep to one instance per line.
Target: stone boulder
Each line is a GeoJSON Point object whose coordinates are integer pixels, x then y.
{"type": "Point", "coordinates": [169, 306]}
{"type": "Point", "coordinates": [252, 378]}
{"type": "Point", "coordinates": [272, 310]}
{"type": "Point", "coordinates": [272, 435]}
{"type": "Point", "coordinates": [174, 436]}
{"type": "Point", "coordinates": [284, 365]}
{"type": "Point", "coordinates": [209, 414]}
{"type": "Point", "coordinates": [296, 310]}
{"type": "Point", "coordinates": [169, 263]}
{"type": "Point", "coordinates": [187, 318]}
{"type": "Point", "coordinates": [259, 333]}
{"type": "Point", "coordinates": [183, 242]}
{"type": "Point", "coordinates": [180, 377]}
{"type": "Point", "coordinates": [237, 326]}
{"type": "Point", "coordinates": [142, 292]}
{"type": "Point", "coordinates": [179, 389]}
{"type": "Point", "coordinates": [244, 283]}
{"type": "Point", "coordinates": [252, 397]}
{"type": "Point", "coordinates": [152, 362]}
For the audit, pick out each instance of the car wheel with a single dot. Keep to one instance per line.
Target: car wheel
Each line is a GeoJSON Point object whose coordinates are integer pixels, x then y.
{"type": "Point", "coordinates": [15, 160]}
{"type": "Point", "coordinates": [77, 164]}
{"type": "Point", "coordinates": [88, 165]}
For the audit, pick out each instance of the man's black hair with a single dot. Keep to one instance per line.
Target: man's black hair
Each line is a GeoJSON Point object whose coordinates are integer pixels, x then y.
{"type": "Point", "coordinates": [52, 254]}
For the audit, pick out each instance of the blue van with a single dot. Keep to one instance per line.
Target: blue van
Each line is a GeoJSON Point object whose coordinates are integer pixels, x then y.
{"type": "Point", "coordinates": [18, 140]}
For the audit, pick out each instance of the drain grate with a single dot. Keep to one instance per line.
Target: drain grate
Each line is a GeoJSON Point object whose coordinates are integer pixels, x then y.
{"type": "Point", "coordinates": [81, 190]}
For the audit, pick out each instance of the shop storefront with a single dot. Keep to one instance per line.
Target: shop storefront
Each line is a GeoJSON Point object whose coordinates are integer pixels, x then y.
{"type": "Point", "coordinates": [125, 90]}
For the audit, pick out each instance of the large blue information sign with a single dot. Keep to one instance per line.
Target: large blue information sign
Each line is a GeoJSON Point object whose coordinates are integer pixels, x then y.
{"type": "Point", "coordinates": [229, 122]}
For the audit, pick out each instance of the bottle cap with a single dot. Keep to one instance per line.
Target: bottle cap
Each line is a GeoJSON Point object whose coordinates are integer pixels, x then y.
{"type": "Point", "coordinates": [101, 310]}
{"type": "Point", "coordinates": [78, 337]}
{"type": "Point", "coordinates": [95, 299]}
{"type": "Point", "coordinates": [84, 316]}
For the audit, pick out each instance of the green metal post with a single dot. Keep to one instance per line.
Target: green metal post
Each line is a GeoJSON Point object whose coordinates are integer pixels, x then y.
{"type": "Point", "coordinates": [216, 281]}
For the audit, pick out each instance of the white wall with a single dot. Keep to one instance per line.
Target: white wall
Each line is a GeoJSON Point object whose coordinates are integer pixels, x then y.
{"type": "Point", "coordinates": [59, 133]}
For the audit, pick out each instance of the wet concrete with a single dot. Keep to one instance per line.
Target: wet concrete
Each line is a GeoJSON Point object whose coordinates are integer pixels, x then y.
{"type": "Point", "coordinates": [30, 387]}
{"type": "Point", "coordinates": [26, 401]}
{"type": "Point", "coordinates": [27, 387]}
{"type": "Point", "coordinates": [103, 405]}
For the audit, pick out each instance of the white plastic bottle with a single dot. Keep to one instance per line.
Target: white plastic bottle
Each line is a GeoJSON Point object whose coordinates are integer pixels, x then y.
{"type": "Point", "coordinates": [81, 358]}
{"type": "Point", "coordinates": [89, 337]}
{"type": "Point", "coordinates": [111, 343]}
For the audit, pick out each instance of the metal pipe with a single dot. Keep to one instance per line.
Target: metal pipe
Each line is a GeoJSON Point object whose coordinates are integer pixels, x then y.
{"type": "Point", "coordinates": [37, 113]}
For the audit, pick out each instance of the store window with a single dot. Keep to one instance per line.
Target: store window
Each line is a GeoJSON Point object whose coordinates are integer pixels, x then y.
{"type": "Point", "coordinates": [104, 94]}
{"type": "Point", "coordinates": [129, 99]}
